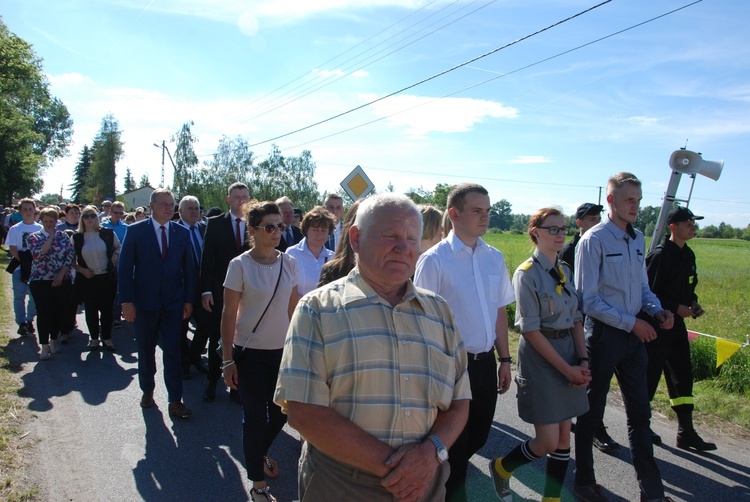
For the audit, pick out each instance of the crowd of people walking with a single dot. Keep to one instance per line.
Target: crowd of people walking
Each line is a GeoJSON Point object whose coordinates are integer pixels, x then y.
{"type": "Point", "coordinates": [380, 332]}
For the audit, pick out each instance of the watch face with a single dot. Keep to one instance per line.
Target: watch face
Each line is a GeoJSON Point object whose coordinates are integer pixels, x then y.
{"type": "Point", "coordinates": [442, 454]}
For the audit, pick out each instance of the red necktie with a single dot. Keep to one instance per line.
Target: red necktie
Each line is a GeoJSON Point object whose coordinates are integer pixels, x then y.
{"type": "Point", "coordinates": [237, 234]}
{"type": "Point", "coordinates": [163, 242]}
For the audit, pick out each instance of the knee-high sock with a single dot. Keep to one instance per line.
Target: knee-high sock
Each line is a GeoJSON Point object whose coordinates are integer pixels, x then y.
{"type": "Point", "coordinates": [557, 466]}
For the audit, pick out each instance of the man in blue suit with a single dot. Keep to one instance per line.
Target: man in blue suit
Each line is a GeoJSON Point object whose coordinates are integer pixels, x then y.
{"type": "Point", "coordinates": [156, 277]}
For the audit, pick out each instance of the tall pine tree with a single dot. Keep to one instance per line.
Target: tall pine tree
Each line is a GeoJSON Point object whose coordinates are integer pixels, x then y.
{"type": "Point", "coordinates": [107, 152]}
{"type": "Point", "coordinates": [129, 181]}
{"type": "Point", "coordinates": [78, 187]}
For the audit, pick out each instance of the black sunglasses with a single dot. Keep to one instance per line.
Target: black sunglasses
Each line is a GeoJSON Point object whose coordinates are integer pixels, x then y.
{"type": "Point", "coordinates": [89, 216]}
{"type": "Point", "coordinates": [272, 228]}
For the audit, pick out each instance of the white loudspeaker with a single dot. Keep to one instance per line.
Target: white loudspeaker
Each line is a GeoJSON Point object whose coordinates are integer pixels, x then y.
{"type": "Point", "coordinates": [687, 162]}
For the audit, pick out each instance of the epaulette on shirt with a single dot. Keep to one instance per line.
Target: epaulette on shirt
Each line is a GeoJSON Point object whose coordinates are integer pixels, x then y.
{"type": "Point", "coordinates": [526, 265]}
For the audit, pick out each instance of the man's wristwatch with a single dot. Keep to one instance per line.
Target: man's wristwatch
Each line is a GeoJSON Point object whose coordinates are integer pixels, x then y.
{"type": "Point", "coordinates": [442, 451]}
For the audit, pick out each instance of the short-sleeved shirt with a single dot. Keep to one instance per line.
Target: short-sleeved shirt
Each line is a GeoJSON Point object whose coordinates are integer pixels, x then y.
{"type": "Point", "coordinates": [539, 301]}
{"type": "Point", "coordinates": [388, 369]}
{"type": "Point", "coordinates": [474, 282]}
{"type": "Point", "coordinates": [18, 235]}
{"type": "Point", "coordinates": [46, 266]}
{"type": "Point", "coordinates": [308, 265]}
{"type": "Point", "coordinates": [256, 282]}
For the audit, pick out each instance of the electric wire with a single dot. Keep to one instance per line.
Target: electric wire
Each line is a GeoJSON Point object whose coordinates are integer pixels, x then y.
{"type": "Point", "coordinates": [440, 74]}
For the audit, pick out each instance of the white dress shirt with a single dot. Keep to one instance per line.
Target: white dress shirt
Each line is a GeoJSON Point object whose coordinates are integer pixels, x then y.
{"type": "Point", "coordinates": [474, 282]}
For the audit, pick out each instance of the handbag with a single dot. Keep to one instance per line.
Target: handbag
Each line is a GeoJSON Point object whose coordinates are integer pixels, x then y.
{"type": "Point", "coordinates": [237, 350]}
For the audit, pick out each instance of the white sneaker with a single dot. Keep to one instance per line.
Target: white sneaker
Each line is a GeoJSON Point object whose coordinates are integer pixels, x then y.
{"type": "Point", "coordinates": [45, 352]}
{"type": "Point", "coordinates": [54, 346]}
{"type": "Point", "coordinates": [94, 344]}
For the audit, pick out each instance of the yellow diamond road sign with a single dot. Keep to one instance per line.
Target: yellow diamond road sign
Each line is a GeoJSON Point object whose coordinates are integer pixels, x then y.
{"type": "Point", "coordinates": [357, 184]}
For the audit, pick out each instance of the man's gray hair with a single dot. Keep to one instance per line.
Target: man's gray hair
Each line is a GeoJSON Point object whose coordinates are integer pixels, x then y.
{"type": "Point", "coordinates": [189, 198]}
{"type": "Point", "coordinates": [366, 216]}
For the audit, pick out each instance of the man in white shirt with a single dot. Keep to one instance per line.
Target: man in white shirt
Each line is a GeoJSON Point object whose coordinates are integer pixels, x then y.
{"type": "Point", "coordinates": [473, 279]}
{"type": "Point", "coordinates": [334, 204]}
{"type": "Point", "coordinates": [18, 248]}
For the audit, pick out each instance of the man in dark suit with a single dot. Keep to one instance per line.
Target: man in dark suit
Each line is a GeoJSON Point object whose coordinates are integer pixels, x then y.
{"type": "Point", "coordinates": [190, 217]}
{"type": "Point", "coordinates": [291, 235]}
{"type": "Point", "coordinates": [156, 276]}
{"type": "Point", "coordinates": [224, 239]}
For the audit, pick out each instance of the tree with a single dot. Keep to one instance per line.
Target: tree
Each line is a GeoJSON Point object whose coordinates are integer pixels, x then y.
{"type": "Point", "coordinates": [291, 176]}
{"type": "Point", "coordinates": [500, 215]}
{"type": "Point", "coordinates": [185, 160]}
{"type": "Point", "coordinates": [50, 199]}
{"type": "Point", "coordinates": [144, 181]}
{"type": "Point", "coordinates": [107, 152]}
{"type": "Point", "coordinates": [438, 197]}
{"type": "Point", "coordinates": [80, 176]}
{"type": "Point", "coordinates": [35, 127]}
{"type": "Point", "coordinates": [646, 215]}
{"type": "Point", "coordinates": [129, 182]}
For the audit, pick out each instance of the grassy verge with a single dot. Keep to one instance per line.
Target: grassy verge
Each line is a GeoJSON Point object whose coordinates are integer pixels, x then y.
{"type": "Point", "coordinates": [14, 485]}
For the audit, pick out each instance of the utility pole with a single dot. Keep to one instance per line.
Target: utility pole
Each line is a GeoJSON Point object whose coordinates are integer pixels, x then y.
{"type": "Point", "coordinates": [164, 149]}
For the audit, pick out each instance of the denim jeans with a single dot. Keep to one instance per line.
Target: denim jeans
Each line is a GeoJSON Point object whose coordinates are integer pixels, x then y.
{"type": "Point", "coordinates": [20, 293]}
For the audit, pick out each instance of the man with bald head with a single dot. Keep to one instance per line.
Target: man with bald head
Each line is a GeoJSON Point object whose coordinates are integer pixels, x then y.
{"type": "Point", "coordinates": [374, 371]}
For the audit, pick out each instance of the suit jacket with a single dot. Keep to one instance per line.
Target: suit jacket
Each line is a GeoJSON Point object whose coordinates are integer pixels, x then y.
{"type": "Point", "coordinates": [149, 281]}
{"type": "Point", "coordinates": [202, 232]}
{"type": "Point", "coordinates": [283, 245]}
{"type": "Point", "coordinates": [219, 247]}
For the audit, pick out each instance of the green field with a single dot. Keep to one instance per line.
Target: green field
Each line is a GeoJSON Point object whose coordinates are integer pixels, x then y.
{"type": "Point", "coordinates": [723, 275]}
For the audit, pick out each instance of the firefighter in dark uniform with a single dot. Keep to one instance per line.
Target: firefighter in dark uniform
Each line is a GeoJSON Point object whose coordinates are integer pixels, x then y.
{"type": "Point", "coordinates": [672, 277]}
{"type": "Point", "coordinates": [588, 214]}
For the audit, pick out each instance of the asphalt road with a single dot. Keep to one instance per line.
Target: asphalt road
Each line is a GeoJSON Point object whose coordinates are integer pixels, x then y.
{"type": "Point", "coordinates": [94, 442]}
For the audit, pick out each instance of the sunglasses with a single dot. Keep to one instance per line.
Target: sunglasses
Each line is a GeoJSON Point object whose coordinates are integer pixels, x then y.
{"type": "Point", "coordinates": [272, 228]}
{"type": "Point", "coordinates": [89, 216]}
{"type": "Point", "coordinates": [555, 230]}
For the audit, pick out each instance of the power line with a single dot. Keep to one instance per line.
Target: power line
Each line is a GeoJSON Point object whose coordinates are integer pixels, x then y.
{"type": "Point", "coordinates": [306, 74]}
{"type": "Point", "coordinates": [503, 75]}
{"type": "Point", "coordinates": [444, 72]}
{"type": "Point", "coordinates": [311, 86]}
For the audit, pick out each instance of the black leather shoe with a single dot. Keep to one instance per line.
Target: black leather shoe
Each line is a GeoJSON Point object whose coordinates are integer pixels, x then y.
{"type": "Point", "coordinates": [589, 493]}
{"type": "Point", "coordinates": [655, 438]}
{"type": "Point", "coordinates": [690, 439]}
{"type": "Point", "coordinates": [210, 393]}
{"type": "Point", "coordinates": [604, 442]}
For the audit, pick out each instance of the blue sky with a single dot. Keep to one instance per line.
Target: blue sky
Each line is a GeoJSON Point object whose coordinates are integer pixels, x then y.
{"type": "Point", "coordinates": [550, 133]}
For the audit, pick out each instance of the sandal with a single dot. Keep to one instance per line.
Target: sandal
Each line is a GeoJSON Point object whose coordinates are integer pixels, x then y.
{"type": "Point", "coordinates": [270, 467]}
{"type": "Point", "coordinates": [264, 492]}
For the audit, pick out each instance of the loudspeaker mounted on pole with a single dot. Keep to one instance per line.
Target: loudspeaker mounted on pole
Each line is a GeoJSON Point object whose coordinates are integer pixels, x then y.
{"type": "Point", "coordinates": [681, 162]}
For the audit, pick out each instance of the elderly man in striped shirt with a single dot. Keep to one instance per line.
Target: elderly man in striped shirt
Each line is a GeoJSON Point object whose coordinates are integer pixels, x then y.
{"type": "Point", "coordinates": [374, 371]}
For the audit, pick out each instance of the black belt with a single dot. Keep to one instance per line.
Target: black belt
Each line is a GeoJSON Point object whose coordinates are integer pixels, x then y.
{"type": "Point", "coordinates": [481, 355]}
{"type": "Point", "coordinates": [557, 334]}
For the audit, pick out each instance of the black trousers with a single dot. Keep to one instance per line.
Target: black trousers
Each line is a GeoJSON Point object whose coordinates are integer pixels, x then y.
{"type": "Point", "coordinates": [262, 419]}
{"type": "Point", "coordinates": [50, 302]}
{"type": "Point", "coordinates": [670, 353]}
{"type": "Point", "coordinates": [191, 353]}
{"type": "Point", "coordinates": [483, 379]}
{"type": "Point", "coordinates": [618, 352]}
{"type": "Point", "coordinates": [98, 294]}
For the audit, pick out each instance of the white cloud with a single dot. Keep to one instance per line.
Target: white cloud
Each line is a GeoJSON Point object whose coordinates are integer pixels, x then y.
{"type": "Point", "coordinates": [421, 115]}
{"type": "Point", "coordinates": [642, 120]}
{"type": "Point", "coordinates": [69, 79]}
{"type": "Point", "coordinates": [530, 159]}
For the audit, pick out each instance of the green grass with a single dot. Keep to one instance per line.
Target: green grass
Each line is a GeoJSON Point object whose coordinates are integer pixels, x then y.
{"type": "Point", "coordinates": [723, 275]}
{"type": "Point", "coordinates": [14, 485]}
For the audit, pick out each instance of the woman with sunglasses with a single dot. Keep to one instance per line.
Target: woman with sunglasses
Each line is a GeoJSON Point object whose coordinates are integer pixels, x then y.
{"type": "Point", "coordinates": [260, 293]}
{"type": "Point", "coordinates": [311, 253]}
{"type": "Point", "coordinates": [50, 280]}
{"type": "Point", "coordinates": [97, 251]}
{"type": "Point", "coordinates": [552, 372]}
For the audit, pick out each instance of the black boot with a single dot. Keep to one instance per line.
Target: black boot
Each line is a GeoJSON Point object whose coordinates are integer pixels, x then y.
{"type": "Point", "coordinates": [687, 438]}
